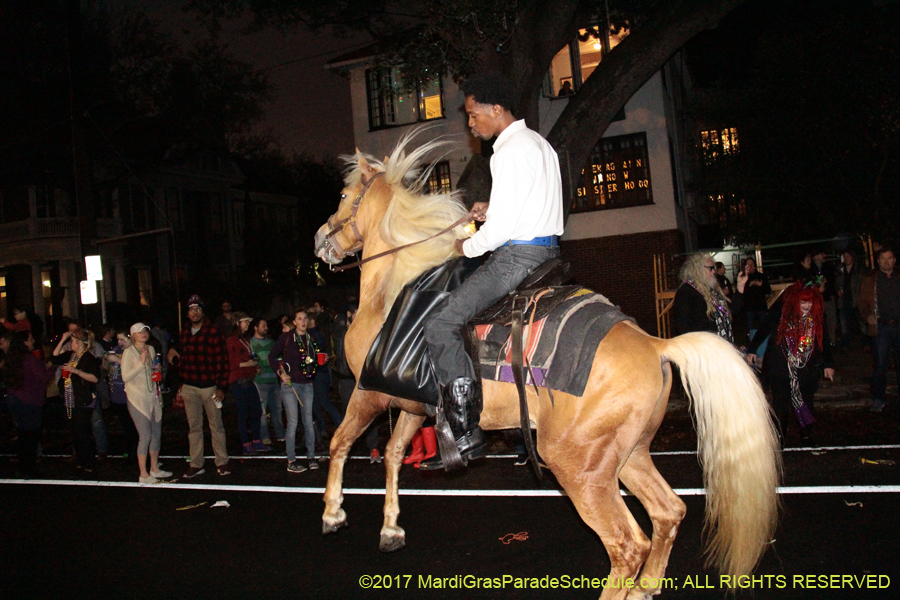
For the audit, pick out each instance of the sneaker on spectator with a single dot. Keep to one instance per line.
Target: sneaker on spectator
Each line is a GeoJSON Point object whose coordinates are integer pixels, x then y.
{"type": "Point", "coordinates": [295, 467]}
{"type": "Point", "coordinates": [161, 474]}
{"type": "Point", "coordinates": [261, 447]}
{"type": "Point", "coordinates": [194, 472]}
{"type": "Point", "coordinates": [313, 464]}
{"type": "Point", "coordinates": [374, 456]}
{"type": "Point", "coordinates": [267, 441]}
{"type": "Point", "coordinates": [223, 470]}
{"type": "Point", "coordinates": [148, 480]}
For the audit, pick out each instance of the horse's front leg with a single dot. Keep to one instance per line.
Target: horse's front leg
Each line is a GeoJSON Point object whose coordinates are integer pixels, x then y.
{"type": "Point", "coordinates": [392, 535]}
{"type": "Point", "coordinates": [361, 411]}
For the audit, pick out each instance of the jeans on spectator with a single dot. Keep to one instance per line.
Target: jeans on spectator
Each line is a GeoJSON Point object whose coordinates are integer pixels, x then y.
{"type": "Point", "coordinates": [887, 339]}
{"type": "Point", "coordinates": [248, 406]}
{"type": "Point", "coordinates": [271, 400]}
{"type": "Point", "coordinates": [98, 425]}
{"type": "Point", "coordinates": [507, 267]}
{"type": "Point", "coordinates": [292, 412]}
{"type": "Point", "coordinates": [196, 401]}
{"type": "Point", "coordinates": [28, 419]}
{"type": "Point", "coordinates": [322, 394]}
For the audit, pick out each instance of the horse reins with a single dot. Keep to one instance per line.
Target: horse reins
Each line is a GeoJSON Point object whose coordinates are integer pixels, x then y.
{"type": "Point", "coordinates": [351, 220]}
{"type": "Point", "coordinates": [338, 226]}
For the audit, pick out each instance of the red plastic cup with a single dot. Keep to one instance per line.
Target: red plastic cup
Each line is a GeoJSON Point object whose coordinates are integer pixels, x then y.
{"type": "Point", "coordinates": [321, 356]}
{"type": "Point", "coordinates": [65, 371]}
{"type": "Point", "coordinates": [156, 376]}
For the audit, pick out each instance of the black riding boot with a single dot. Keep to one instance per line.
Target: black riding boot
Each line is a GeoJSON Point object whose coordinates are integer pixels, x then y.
{"type": "Point", "coordinates": [462, 404]}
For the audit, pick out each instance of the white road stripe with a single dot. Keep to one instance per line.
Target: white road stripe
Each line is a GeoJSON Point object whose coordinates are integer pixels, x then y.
{"type": "Point", "coordinates": [841, 489]}
{"type": "Point", "coordinates": [366, 457]}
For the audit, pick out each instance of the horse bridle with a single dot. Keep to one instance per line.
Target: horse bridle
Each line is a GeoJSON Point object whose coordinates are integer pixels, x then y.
{"type": "Point", "coordinates": [338, 226]}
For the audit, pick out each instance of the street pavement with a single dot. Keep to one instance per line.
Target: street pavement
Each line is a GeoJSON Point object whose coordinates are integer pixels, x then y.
{"type": "Point", "coordinates": [492, 523]}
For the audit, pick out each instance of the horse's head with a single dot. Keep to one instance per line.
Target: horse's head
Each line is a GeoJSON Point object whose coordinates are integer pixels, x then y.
{"type": "Point", "coordinates": [341, 236]}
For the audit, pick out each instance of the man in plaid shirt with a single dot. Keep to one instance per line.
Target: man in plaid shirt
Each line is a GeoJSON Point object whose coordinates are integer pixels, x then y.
{"type": "Point", "coordinates": [203, 364]}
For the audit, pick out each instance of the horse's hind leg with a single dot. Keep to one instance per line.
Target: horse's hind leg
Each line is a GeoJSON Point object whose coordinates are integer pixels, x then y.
{"type": "Point", "coordinates": [596, 496]}
{"type": "Point", "coordinates": [666, 511]}
{"type": "Point", "coordinates": [392, 535]}
{"type": "Point", "coordinates": [361, 411]}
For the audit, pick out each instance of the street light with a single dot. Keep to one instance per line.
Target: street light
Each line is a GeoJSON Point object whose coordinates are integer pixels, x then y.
{"type": "Point", "coordinates": [94, 270]}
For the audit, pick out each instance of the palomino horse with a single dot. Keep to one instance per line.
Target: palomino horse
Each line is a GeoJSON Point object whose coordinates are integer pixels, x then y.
{"type": "Point", "coordinates": [590, 443]}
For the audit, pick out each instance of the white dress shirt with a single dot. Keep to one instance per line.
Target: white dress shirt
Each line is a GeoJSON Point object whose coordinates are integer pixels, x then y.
{"type": "Point", "coordinates": [526, 194]}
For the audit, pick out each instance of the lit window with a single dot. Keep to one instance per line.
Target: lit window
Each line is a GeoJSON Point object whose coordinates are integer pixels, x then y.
{"type": "Point", "coordinates": [574, 64]}
{"type": "Point", "coordinates": [717, 143]}
{"type": "Point", "coordinates": [390, 104]}
{"type": "Point", "coordinates": [617, 175]}
{"type": "Point", "coordinates": [439, 179]}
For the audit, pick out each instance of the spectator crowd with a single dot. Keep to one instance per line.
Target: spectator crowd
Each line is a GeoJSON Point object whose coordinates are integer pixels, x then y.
{"type": "Point", "coordinates": [276, 378]}
{"type": "Point", "coordinates": [288, 379]}
{"type": "Point", "coordinates": [792, 338]}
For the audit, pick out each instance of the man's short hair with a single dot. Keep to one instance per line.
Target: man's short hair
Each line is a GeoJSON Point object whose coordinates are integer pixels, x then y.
{"type": "Point", "coordinates": [490, 88]}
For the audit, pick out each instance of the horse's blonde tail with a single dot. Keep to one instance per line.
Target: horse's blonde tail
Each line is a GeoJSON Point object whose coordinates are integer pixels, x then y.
{"type": "Point", "coordinates": [738, 448]}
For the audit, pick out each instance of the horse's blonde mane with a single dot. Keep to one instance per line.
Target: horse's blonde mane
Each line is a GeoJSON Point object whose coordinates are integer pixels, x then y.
{"type": "Point", "coordinates": [413, 215]}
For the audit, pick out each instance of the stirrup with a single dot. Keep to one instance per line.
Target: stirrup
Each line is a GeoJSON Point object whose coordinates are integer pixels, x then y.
{"type": "Point", "coordinates": [473, 445]}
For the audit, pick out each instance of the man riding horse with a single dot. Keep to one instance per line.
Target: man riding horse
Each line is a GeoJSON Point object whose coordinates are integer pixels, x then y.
{"type": "Point", "coordinates": [521, 226]}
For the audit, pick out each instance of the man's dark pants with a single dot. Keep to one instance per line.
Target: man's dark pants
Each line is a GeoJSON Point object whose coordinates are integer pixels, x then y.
{"type": "Point", "coordinates": [507, 267]}
{"type": "Point", "coordinates": [887, 339]}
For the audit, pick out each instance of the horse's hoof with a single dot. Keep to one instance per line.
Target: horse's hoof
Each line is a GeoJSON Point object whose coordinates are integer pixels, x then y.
{"type": "Point", "coordinates": [392, 542]}
{"type": "Point", "coordinates": [332, 527]}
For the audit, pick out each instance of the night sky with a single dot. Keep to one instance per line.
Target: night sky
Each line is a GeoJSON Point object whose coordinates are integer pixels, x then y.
{"type": "Point", "coordinates": [310, 113]}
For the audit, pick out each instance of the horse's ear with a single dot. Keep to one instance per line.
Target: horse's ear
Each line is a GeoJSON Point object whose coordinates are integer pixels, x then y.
{"type": "Point", "coordinates": [365, 168]}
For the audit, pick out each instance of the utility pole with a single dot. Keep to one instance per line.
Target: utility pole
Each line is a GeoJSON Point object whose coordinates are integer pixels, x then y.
{"type": "Point", "coordinates": [81, 164]}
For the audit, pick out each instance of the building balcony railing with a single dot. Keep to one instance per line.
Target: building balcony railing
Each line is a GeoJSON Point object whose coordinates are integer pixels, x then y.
{"type": "Point", "coordinates": [39, 228]}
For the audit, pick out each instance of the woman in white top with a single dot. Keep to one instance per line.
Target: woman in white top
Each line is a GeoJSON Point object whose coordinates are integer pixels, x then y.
{"type": "Point", "coordinates": [144, 401]}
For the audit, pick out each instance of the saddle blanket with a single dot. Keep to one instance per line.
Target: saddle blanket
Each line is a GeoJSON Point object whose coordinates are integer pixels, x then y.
{"type": "Point", "coordinates": [559, 348]}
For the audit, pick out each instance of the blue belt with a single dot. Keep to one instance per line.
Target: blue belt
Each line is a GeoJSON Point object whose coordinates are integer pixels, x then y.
{"type": "Point", "coordinates": [547, 240]}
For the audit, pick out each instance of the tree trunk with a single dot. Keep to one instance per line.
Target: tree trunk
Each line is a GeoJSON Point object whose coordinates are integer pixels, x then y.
{"type": "Point", "coordinates": [622, 73]}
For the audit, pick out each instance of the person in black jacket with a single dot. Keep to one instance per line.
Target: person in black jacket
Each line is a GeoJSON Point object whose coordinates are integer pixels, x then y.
{"type": "Point", "coordinates": [699, 303]}
{"type": "Point", "coordinates": [797, 357]}
{"type": "Point", "coordinates": [80, 372]}
{"type": "Point", "coordinates": [756, 292]}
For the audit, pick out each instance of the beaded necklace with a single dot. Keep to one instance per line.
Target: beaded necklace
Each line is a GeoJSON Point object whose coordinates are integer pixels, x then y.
{"type": "Point", "coordinates": [69, 391]}
{"type": "Point", "coordinates": [308, 363]}
{"type": "Point", "coordinates": [797, 349]}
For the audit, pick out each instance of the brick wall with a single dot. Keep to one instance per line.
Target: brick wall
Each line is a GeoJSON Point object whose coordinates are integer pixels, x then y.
{"type": "Point", "coordinates": [621, 268]}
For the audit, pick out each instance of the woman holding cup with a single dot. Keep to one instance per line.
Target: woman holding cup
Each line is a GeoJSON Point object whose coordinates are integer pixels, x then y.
{"type": "Point", "coordinates": [294, 357]}
{"type": "Point", "coordinates": [142, 375]}
{"type": "Point", "coordinates": [80, 371]}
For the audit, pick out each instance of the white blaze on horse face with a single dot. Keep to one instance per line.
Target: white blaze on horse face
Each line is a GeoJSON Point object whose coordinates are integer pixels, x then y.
{"type": "Point", "coordinates": [323, 248]}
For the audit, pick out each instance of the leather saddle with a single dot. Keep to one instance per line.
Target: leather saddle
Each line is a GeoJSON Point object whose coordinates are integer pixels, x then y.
{"type": "Point", "coordinates": [545, 284]}
{"type": "Point", "coordinates": [398, 361]}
